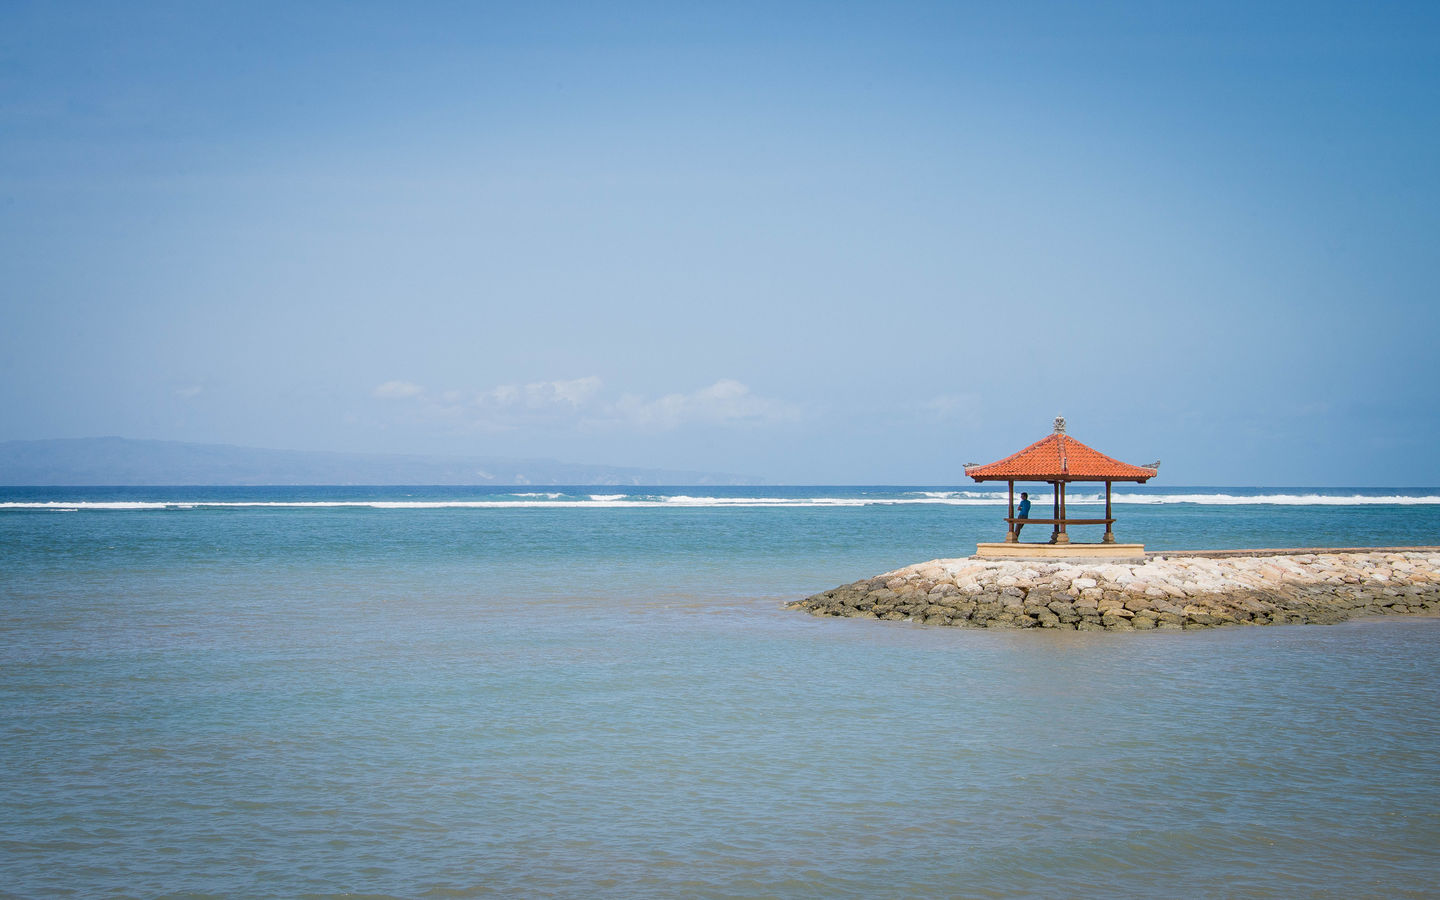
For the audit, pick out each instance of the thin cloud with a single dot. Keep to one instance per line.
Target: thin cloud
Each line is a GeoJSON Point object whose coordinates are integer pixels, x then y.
{"type": "Point", "coordinates": [572, 394]}
{"type": "Point", "coordinates": [397, 390]}
{"type": "Point", "coordinates": [581, 403]}
{"type": "Point", "coordinates": [953, 406]}
{"type": "Point", "coordinates": [727, 401]}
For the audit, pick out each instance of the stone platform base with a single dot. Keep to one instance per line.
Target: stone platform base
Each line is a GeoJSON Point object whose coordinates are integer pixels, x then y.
{"type": "Point", "coordinates": [1174, 591]}
{"type": "Point", "coordinates": [1060, 551]}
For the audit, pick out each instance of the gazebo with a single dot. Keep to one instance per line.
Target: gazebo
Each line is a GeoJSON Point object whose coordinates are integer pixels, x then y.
{"type": "Point", "coordinates": [1058, 460]}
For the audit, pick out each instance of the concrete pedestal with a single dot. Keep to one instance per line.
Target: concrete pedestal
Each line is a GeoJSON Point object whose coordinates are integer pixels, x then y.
{"type": "Point", "coordinates": [1060, 551]}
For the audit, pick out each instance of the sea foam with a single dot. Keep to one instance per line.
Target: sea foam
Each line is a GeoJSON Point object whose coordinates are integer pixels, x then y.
{"type": "Point", "coordinates": [556, 500]}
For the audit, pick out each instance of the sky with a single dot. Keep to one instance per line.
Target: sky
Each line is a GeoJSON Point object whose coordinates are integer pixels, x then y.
{"type": "Point", "coordinates": [845, 243]}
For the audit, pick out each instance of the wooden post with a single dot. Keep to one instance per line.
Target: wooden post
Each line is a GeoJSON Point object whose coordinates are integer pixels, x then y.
{"type": "Point", "coordinates": [1109, 534]}
{"type": "Point", "coordinates": [1061, 537]}
{"type": "Point", "coordinates": [1010, 536]}
{"type": "Point", "coordinates": [1054, 529]}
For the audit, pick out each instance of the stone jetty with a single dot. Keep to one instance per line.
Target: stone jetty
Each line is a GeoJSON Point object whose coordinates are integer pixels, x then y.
{"type": "Point", "coordinates": [1203, 590]}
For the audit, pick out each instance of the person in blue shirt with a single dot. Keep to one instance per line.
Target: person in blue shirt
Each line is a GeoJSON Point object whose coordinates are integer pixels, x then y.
{"type": "Point", "coordinates": [1024, 512]}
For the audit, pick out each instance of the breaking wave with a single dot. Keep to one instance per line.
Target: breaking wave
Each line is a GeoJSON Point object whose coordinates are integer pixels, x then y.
{"type": "Point", "coordinates": [1263, 499]}
{"type": "Point", "coordinates": [559, 500]}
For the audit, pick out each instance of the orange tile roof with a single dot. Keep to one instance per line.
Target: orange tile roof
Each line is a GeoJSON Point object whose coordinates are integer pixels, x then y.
{"type": "Point", "coordinates": [1059, 456]}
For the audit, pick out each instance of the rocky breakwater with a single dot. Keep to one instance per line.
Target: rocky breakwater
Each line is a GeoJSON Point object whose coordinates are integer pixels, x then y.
{"type": "Point", "coordinates": [1161, 592]}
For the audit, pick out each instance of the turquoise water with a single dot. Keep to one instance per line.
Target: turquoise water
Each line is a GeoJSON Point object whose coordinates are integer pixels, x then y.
{"type": "Point", "coordinates": [449, 692]}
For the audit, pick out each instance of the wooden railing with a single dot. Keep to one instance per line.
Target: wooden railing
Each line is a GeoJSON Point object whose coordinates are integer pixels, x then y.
{"type": "Point", "coordinates": [1018, 521]}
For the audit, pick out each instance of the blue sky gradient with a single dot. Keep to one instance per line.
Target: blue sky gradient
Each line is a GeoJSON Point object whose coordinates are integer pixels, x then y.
{"type": "Point", "coordinates": [831, 242]}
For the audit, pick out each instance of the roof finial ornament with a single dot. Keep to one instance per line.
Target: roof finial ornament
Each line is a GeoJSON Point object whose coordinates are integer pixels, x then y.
{"type": "Point", "coordinates": [1059, 424]}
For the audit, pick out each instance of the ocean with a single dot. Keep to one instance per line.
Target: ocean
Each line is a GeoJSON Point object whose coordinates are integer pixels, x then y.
{"type": "Point", "coordinates": [595, 692]}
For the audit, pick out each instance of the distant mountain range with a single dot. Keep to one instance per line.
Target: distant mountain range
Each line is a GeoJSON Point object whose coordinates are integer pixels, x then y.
{"type": "Point", "coordinates": [121, 461]}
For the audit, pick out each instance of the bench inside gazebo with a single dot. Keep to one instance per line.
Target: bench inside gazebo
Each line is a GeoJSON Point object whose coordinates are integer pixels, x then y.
{"type": "Point", "coordinates": [1059, 460]}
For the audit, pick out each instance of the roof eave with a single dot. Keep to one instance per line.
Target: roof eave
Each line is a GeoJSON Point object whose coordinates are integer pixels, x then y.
{"type": "Point", "coordinates": [1139, 479]}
